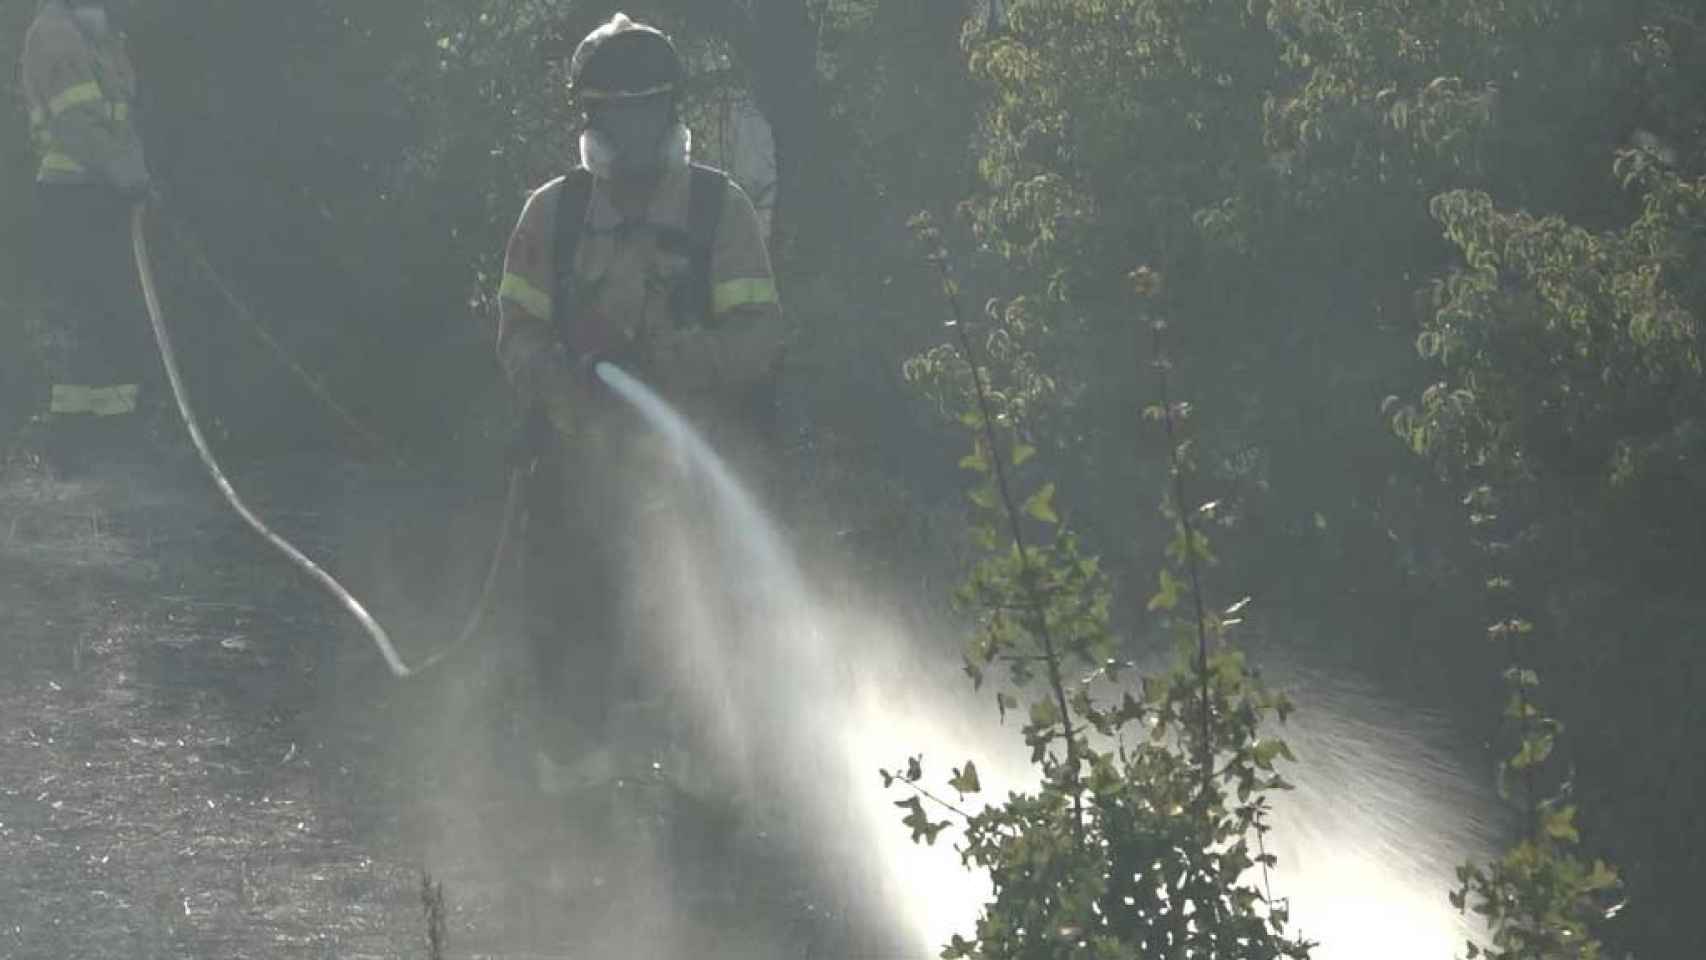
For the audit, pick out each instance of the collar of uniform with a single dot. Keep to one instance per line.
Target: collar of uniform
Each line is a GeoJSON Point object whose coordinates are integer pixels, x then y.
{"type": "Point", "coordinates": [668, 205]}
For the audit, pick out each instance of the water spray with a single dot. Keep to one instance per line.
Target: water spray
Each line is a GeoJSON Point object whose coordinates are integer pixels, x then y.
{"type": "Point", "coordinates": [1367, 842]}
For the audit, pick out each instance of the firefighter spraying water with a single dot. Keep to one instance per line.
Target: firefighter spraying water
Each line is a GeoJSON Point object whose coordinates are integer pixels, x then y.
{"type": "Point", "coordinates": [640, 257]}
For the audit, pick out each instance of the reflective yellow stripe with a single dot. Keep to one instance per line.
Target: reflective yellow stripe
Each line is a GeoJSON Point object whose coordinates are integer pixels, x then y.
{"type": "Point", "coordinates": [530, 297]}
{"type": "Point", "coordinates": [746, 292]}
{"type": "Point", "coordinates": [56, 162]}
{"type": "Point", "coordinates": [78, 95]}
{"type": "Point", "coordinates": [100, 401]}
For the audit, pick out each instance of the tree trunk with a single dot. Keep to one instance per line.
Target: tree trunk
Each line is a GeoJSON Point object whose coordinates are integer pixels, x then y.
{"type": "Point", "coordinates": [783, 59]}
{"type": "Point", "coordinates": [775, 42]}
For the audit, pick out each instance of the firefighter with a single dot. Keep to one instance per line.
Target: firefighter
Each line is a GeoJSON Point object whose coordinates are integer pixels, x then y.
{"type": "Point", "coordinates": [640, 257]}
{"type": "Point", "coordinates": [81, 91]}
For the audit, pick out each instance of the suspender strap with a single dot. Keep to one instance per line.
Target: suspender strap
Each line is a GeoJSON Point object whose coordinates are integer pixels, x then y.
{"type": "Point", "coordinates": [572, 201]}
{"type": "Point", "coordinates": [706, 193]}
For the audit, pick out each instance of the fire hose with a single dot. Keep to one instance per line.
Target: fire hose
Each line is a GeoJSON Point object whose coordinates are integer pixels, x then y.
{"type": "Point", "coordinates": [376, 632]}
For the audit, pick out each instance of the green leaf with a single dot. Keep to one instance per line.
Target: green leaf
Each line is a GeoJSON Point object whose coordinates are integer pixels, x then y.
{"type": "Point", "coordinates": [1041, 505]}
{"type": "Point", "coordinates": [1228, 667]}
{"type": "Point", "coordinates": [1267, 750]}
{"type": "Point", "coordinates": [1104, 776]}
{"type": "Point", "coordinates": [1518, 708]}
{"type": "Point", "coordinates": [1167, 597]}
{"type": "Point", "coordinates": [1535, 749]}
{"type": "Point", "coordinates": [1023, 452]}
{"type": "Point", "coordinates": [1602, 877]}
{"type": "Point", "coordinates": [1522, 677]}
{"type": "Point", "coordinates": [1156, 689]}
{"type": "Point", "coordinates": [965, 780]}
{"type": "Point", "coordinates": [958, 947]}
{"type": "Point", "coordinates": [1082, 704]}
{"type": "Point", "coordinates": [1198, 545]}
{"type": "Point", "coordinates": [1560, 824]}
{"type": "Point", "coordinates": [976, 461]}
{"type": "Point", "coordinates": [922, 827]}
{"type": "Point", "coordinates": [1044, 713]}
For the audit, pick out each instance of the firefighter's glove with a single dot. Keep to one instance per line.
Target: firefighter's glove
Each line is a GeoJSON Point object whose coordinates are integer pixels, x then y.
{"type": "Point", "coordinates": [632, 352]}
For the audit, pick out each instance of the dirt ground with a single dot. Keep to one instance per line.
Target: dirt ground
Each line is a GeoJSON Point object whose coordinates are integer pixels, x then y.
{"type": "Point", "coordinates": [200, 758]}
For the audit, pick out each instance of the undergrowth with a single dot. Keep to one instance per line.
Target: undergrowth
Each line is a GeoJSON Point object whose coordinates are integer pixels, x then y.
{"type": "Point", "coordinates": [1146, 825]}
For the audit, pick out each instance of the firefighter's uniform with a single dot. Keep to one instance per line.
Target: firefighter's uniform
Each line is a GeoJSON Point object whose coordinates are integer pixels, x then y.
{"type": "Point", "coordinates": [627, 280]}
{"type": "Point", "coordinates": [81, 91]}
{"type": "Point", "coordinates": [626, 291]}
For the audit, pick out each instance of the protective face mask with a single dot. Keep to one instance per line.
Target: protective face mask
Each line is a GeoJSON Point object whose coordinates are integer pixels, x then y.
{"type": "Point", "coordinates": [635, 132]}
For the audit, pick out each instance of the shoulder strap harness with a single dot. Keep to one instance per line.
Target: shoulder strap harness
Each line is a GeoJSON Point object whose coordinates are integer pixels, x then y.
{"type": "Point", "coordinates": [706, 192]}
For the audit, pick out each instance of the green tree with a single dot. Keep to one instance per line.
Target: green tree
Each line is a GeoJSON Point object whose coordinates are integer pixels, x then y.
{"type": "Point", "coordinates": [1573, 399]}
{"type": "Point", "coordinates": [1280, 162]}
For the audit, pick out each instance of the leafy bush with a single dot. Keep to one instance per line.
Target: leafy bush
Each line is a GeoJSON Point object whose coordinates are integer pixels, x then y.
{"type": "Point", "coordinates": [1148, 819]}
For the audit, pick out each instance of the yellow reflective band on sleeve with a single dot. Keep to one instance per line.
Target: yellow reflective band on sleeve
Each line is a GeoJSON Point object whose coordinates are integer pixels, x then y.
{"type": "Point", "coordinates": [100, 401]}
{"type": "Point", "coordinates": [56, 162]}
{"type": "Point", "coordinates": [747, 292]}
{"type": "Point", "coordinates": [76, 96]}
{"type": "Point", "coordinates": [530, 297]}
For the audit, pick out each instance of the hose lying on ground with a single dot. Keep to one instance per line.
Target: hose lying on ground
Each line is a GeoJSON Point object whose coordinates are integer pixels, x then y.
{"type": "Point", "coordinates": [145, 271]}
